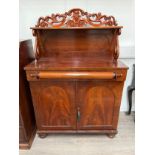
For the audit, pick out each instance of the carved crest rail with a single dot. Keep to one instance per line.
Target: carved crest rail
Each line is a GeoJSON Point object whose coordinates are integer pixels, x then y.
{"type": "Point", "coordinates": [76, 18]}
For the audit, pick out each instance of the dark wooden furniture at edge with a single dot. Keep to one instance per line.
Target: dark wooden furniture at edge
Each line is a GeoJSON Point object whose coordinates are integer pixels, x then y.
{"type": "Point", "coordinates": [27, 126]}
{"type": "Point", "coordinates": [76, 80]}
{"type": "Point", "coordinates": [130, 90]}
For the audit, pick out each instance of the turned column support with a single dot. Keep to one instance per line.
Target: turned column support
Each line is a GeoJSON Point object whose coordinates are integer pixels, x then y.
{"type": "Point", "coordinates": [117, 32]}
{"type": "Point", "coordinates": [36, 50]}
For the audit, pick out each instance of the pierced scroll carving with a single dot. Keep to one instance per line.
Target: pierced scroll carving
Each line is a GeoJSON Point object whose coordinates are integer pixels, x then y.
{"type": "Point", "coordinates": [76, 18]}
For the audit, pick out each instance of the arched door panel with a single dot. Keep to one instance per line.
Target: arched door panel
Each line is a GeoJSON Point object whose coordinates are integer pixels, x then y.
{"type": "Point", "coordinates": [54, 104]}
{"type": "Point", "coordinates": [95, 101]}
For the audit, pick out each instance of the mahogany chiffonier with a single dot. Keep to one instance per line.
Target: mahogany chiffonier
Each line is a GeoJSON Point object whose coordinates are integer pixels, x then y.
{"type": "Point", "coordinates": [76, 80]}
{"type": "Point", "coordinates": [27, 124]}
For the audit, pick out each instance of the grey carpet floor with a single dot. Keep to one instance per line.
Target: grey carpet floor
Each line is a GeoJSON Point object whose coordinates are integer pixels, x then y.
{"type": "Point", "coordinates": [122, 144]}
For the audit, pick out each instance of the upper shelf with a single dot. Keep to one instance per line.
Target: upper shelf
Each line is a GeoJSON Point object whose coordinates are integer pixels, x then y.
{"type": "Point", "coordinates": [77, 19]}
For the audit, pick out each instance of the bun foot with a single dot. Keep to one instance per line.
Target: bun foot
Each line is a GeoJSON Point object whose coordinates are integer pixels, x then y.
{"type": "Point", "coordinates": [42, 135]}
{"type": "Point", "coordinates": [111, 135]}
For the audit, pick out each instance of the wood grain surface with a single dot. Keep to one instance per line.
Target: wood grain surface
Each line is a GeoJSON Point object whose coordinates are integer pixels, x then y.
{"type": "Point", "coordinates": [76, 79]}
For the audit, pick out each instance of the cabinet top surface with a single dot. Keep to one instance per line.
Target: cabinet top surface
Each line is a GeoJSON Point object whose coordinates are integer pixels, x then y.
{"type": "Point", "coordinates": [59, 28]}
{"type": "Point", "coordinates": [74, 64]}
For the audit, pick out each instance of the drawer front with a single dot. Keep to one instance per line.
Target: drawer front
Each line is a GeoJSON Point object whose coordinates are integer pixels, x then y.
{"type": "Point", "coordinates": [112, 75]}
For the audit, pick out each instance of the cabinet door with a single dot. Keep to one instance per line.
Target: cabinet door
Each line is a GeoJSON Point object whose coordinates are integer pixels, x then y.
{"type": "Point", "coordinates": [54, 104]}
{"type": "Point", "coordinates": [98, 104]}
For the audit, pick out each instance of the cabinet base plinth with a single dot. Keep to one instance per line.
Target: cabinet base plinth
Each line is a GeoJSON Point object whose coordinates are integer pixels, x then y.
{"type": "Point", "coordinates": [109, 133]}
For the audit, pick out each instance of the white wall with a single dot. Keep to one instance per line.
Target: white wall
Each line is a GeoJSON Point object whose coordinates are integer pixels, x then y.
{"type": "Point", "coordinates": [123, 10]}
